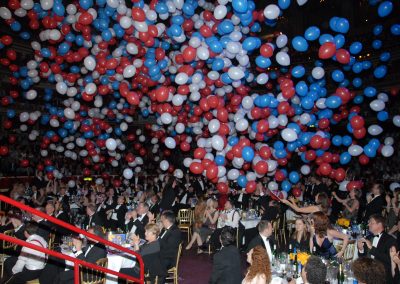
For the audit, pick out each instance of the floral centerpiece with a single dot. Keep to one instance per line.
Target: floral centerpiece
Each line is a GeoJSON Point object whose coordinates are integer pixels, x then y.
{"type": "Point", "coordinates": [302, 257]}
{"type": "Point", "coordinates": [343, 222]}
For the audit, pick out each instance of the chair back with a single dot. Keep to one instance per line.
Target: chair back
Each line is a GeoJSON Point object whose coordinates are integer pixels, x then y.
{"type": "Point", "coordinates": [185, 216]}
{"type": "Point", "coordinates": [8, 245]}
{"type": "Point", "coordinates": [52, 237]}
{"type": "Point", "coordinates": [93, 276]}
{"type": "Point", "coordinates": [178, 256]}
{"type": "Point", "coordinates": [349, 252]}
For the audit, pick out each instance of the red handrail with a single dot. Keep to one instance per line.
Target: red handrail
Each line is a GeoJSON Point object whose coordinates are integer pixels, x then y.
{"type": "Point", "coordinates": [76, 230]}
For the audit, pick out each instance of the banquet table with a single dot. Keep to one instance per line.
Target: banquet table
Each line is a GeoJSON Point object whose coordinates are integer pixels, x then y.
{"type": "Point", "coordinates": [250, 222]}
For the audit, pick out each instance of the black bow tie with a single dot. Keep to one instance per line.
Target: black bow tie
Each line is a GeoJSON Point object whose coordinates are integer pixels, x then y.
{"type": "Point", "coordinates": [377, 236]}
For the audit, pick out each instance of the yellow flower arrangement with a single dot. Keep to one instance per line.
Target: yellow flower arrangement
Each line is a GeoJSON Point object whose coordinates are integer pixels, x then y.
{"type": "Point", "coordinates": [343, 222]}
{"type": "Point", "coordinates": [302, 257]}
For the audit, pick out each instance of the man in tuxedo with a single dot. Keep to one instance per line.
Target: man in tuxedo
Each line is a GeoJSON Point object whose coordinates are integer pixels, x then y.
{"type": "Point", "coordinates": [170, 238]}
{"type": "Point", "coordinates": [377, 203]}
{"type": "Point", "coordinates": [92, 217]}
{"type": "Point", "coordinates": [142, 209]}
{"type": "Point", "coordinates": [314, 271]}
{"type": "Point", "coordinates": [91, 253]}
{"type": "Point", "coordinates": [44, 226]}
{"type": "Point", "coordinates": [133, 224]}
{"type": "Point", "coordinates": [154, 206]}
{"type": "Point", "coordinates": [199, 186]}
{"type": "Point", "coordinates": [226, 265]}
{"type": "Point", "coordinates": [116, 215]}
{"type": "Point", "coordinates": [378, 245]}
{"type": "Point", "coordinates": [264, 238]}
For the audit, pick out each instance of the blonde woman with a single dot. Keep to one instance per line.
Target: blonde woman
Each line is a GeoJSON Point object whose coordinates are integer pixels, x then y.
{"type": "Point", "coordinates": [210, 217]}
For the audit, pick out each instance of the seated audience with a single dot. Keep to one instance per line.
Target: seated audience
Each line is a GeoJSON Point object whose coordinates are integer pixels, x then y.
{"type": "Point", "coordinates": [170, 238]}
{"type": "Point", "coordinates": [314, 271]}
{"type": "Point", "coordinates": [93, 218]}
{"type": "Point", "coordinates": [133, 224]}
{"type": "Point", "coordinates": [259, 271]}
{"type": "Point", "coordinates": [369, 271]}
{"type": "Point", "coordinates": [226, 265]}
{"type": "Point", "coordinates": [378, 244]}
{"type": "Point", "coordinates": [30, 262]}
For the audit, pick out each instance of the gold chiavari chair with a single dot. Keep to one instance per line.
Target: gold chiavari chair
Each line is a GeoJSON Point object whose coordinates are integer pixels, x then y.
{"type": "Point", "coordinates": [7, 246]}
{"type": "Point", "coordinates": [174, 270]}
{"type": "Point", "coordinates": [93, 276]}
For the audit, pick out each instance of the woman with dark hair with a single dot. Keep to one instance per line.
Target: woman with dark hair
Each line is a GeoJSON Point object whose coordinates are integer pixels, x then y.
{"type": "Point", "coordinates": [321, 204]}
{"type": "Point", "coordinates": [259, 271]}
{"type": "Point", "coordinates": [300, 239]}
{"type": "Point", "coordinates": [350, 204]}
{"type": "Point", "coordinates": [369, 271]}
{"type": "Point", "coordinates": [322, 235]}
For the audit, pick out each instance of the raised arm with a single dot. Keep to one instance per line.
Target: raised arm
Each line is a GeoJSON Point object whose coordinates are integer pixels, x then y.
{"type": "Point", "coordinates": [339, 235]}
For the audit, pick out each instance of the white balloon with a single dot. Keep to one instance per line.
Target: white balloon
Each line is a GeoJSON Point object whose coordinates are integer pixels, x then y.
{"type": "Point", "coordinates": [271, 12]}
{"type": "Point", "coordinates": [389, 141]}
{"type": "Point", "coordinates": [387, 150]}
{"type": "Point", "coordinates": [242, 124]}
{"type": "Point", "coordinates": [213, 126]}
{"type": "Point", "coordinates": [111, 144]}
{"type": "Point", "coordinates": [164, 165]}
{"type": "Point", "coordinates": [262, 79]}
{"type": "Point", "coordinates": [355, 150]}
{"type": "Point", "coordinates": [71, 183]}
{"type": "Point", "coordinates": [91, 88]}
{"type": "Point", "coordinates": [394, 185]}
{"type": "Point", "coordinates": [217, 142]}
{"type": "Point", "coordinates": [27, 4]}
{"type": "Point", "coordinates": [170, 143]}
{"type": "Point", "coordinates": [127, 173]}
{"type": "Point", "coordinates": [90, 63]}
{"type": "Point", "coordinates": [69, 113]}
{"type": "Point", "coordinates": [272, 165]}
{"type": "Point", "coordinates": [377, 105]}
{"type": "Point", "coordinates": [187, 162]}
{"type": "Point", "coordinates": [247, 103]}
{"type": "Point", "coordinates": [181, 78]}
{"type": "Point", "coordinates": [396, 120]}
{"type": "Point", "coordinates": [281, 41]}
{"type": "Point", "coordinates": [375, 130]}
{"type": "Point", "coordinates": [343, 185]}
{"type": "Point", "coordinates": [233, 174]}
{"type": "Point", "coordinates": [166, 118]}
{"type": "Point", "coordinates": [179, 128]}
{"type": "Point", "coordinates": [282, 58]}
{"type": "Point", "coordinates": [301, 2]}
{"type": "Point", "coordinates": [318, 73]}
{"type": "Point", "coordinates": [203, 53]}
{"type": "Point", "coordinates": [220, 12]}
{"type": "Point", "coordinates": [289, 135]}
{"type": "Point", "coordinates": [129, 71]}
{"type": "Point", "coordinates": [55, 34]}
{"type": "Point", "coordinates": [272, 185]}
{"type": "Point", "coordinates": [305, 118]}
{"type": "Point", "coordinates": [5, 13]}
{"type": "Point", "coordinates": [61, 88]}
{"type": "Point", "coordinates": [305, 170]}
{"type": "Point", "coordinates": [178, 173]}
{"type": "Point", "coordinates": [47, 4]}
{"type": "Point", "coordinates": [31, 95]}
{"type": "Point", "coordinates": [125, 22]}
{"type": "Point", "coordinates": [235, 73]}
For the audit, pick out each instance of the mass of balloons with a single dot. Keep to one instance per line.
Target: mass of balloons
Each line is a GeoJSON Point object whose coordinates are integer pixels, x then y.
{"type": "Point", "coordinates": [193, 66]}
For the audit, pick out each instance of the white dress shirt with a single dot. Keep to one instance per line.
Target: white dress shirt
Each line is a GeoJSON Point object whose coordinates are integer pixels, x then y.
{"type": "Point", "coordinates": [232, 219]}
{"type": "Point", "coordinates": [375, 242]}
{"type": "Point", "coordinates": [29, 258]}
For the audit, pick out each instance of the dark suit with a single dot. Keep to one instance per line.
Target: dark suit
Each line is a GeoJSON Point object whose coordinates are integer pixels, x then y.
{"type": "Point", "coordinates": [95, 220]}
{"type": "Point", "coordinates": [90, 254]}
{"type": "Point", "coordinates": [381, 252]}
{"type": "Point", "coordinates": [169, 243]}
{"type": "Point", "coordinates": [258, 241]}
{"type": "Point", "coordinates": [374, 207]}
{"type": "Point", "coordinates": [121, 211]}
{"type": "Point", "coordinates": [226, 266]}
{"type": "Point", "coordinates": [139, 227]}
{"type": "Point", "coordinates": [155, 208]}
{"type": "Point", "coordinates": [44, 229]}
{"type": "Point", "coordinates": [168, 197]}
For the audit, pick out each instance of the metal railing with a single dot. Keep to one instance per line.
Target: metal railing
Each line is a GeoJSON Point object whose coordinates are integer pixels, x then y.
{"type": "Point", "coordinates": [77, 262]}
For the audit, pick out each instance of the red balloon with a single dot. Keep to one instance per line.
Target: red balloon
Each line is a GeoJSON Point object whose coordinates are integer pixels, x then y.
{"type": "Point", "coordinates": [327, 50]}
{"type": "Point", "coordinates": [363, 159]}
{"type": "Point", "coordinates": [265, 152]}
{"type": "Point", "coordinates": [343, 56]}
{"type": "Point", "coordinates": [325, 169]}
{"type": "Point", "coordinates": [162, 94]}
{"type": "Point", "coordinates": [212, 172]}
{"type": "Point", "coordinates": [3, 150]}
{"type": "Point", "coordinates": [359, 133]}
{"type": "Point", "coordinates": [266, 50]}
{"type": "Point", "coordinates": [357, 122]}
{"type": "Point", "coordinates": [24, 163]}
{"type": "Point", "coordinates": [138, 14]}
{"type": "Point", "coordinates": [222, 188]}
{"type": "Point", "coordinates": [199, 153]}
{"type": "Point", "coordinates": [316, 141]}
{"type": "Point", "coordinates": [261, 167]}
{"type": "Point", "coordinates": [296, 192]}
{"type": "Point", "coordinates": [279, 175]}
{"type": "Point", "coordinates": [189, 54]}
{"type": "Point", "coordinates": [85, 18]}
{"type": "Point", "coordinates": [196, 168]}
{"type": "Point", "coordinates": [251, 186]}
{"type": "Point", "coordinates": [340, 174]}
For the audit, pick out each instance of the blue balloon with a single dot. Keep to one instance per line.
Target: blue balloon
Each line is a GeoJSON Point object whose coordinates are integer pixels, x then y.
{"type": "Point", "coordinates": [342, 25]}
{"type": "Point", "coordinates": [357, 67]}
{"type": "Point", "coordinates": [380, 71]}
{"type": "Point", "coordinates": [326, 38]}
{"type": "Point", "coordinates": [395, 29]}
{"type": "Point", "coordinates": [346, 140]}
{"type": "Point", "coordinates": [240, 6]}
{"type": "Point", "coordinates": [302, 88]}
{"type": "Point", "coordinates": [337, 140]}
{"type": "Point", "coordinates": [369, 151]}
{"type": "Point", "coordinates": [339, 40]}
{"type": "Point", "coordinates": [298, 71]}
{"type": "Point", "coordinates": [232, 141]}
{"type": "Point", "coordinates": [345, 158]}
{"type": "Point", "coordinates": [251, 43]}
{"type": "Point", "coordinates": [333, 102]}
{"type": "Point", "coordinates": [225, 27]}
{"type": "Point", "coordinates": [377, 30]}
{"type": "Point", "coordinates": [385, 8]}
{"type": "Point", "coordinates": [357, 82]}
{"type": "Point", "coordinates": [294, 177]}
{"type": "Point", "coordinates": [248, 154]}
{"type": "Point", "coordinates": [286, 186]}
{"type": "Point", "coordinates": [312, 33]}
{"type": "Point", "coordinates": [370, 92]}
{"type": "Point", "coordinates": [307, 102]}
{"type": "Point", "coordinates": [385, 56]}
{"type": "Point", "coordinates": [218, 64]}
{"type": "Point", "coordinates": [337, 76]}
{"type": "Point", "coordinates": [356, 47]}
{"type": "Point", "coordinates": [278, 145]}
{"type": "Point", "coordinates": [299, 44]}
{"type": "Point", "coordinates": [377, 44]}
{"type": "Point", "coordinates": [263, 62]}
{"type": "Point", "coordinates": [333, 22]}
{"type": "Point", "coordinates": [383, 115]}
{"type": "Point", "coordinates": [219, 160]}
{"type": "Point", "coordinates": [242, 181]}
{"type": "Point", "coordinates": [10, 113]}
{"type": "Point", "coordinates": [284, 4]}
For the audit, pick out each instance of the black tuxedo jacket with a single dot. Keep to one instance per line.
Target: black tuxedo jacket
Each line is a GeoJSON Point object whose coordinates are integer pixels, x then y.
{"type": "Point", "coordinates": [155, 208]}
{"type": "Point", "coordinates": [95, 253]}
{"type": "Point", "coordinates": [226, 266]}
{"type": "Point", "coordinates": [139, 228]}
{"type": "Point", "coordinates": [169, 242]}
{"type": "Point", "coordinates": [59, 230]}
{"type": "Point", "coordinates": [382, 252]}
{"type": "Point", "coordinates": [258, 241]}
{"type": "Point", "coordinates": [198, 189]}
{"type": "Point", "coordinates": [168, 197]}
{"type": "Point", "coordinates": [96, 220]}
{"type": "Point", "coordinates": [44, 229]}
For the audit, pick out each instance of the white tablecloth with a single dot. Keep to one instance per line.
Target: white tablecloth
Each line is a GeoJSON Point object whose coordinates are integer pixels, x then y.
{"type": "Point", "coordinates": [250, 223]}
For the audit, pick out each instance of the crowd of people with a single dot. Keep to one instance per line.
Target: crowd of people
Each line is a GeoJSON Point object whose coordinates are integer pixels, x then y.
{"type": "Point", "coordinates": [147, 211]}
